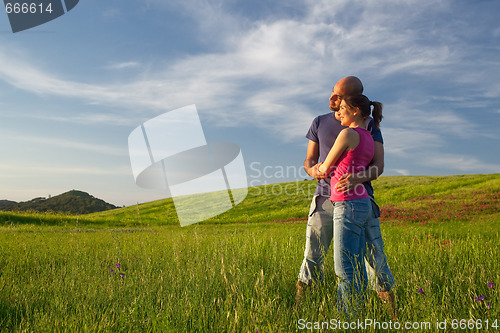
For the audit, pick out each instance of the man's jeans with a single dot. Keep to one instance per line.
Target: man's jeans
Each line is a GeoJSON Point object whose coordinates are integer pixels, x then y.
{"type": "Point", "coordinates": [319, 235]}
{"type": "Point", "coordinates": [379, 274]}
{"type": "Point", "coordinates": [350, 220]}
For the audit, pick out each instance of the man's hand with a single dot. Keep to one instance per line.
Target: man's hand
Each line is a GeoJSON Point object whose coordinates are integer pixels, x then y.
{"type": "Point", "coordinates": [348, 182]}
{"type": "Point", "coordinates": [315, 173]}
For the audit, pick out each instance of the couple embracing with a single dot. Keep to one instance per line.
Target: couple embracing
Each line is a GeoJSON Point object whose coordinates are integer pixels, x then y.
{"type": "Point", "coordinates": [345, 152]}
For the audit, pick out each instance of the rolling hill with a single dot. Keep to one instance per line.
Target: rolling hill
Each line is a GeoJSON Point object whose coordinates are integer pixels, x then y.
{"type": "Point", "coordinates": [71, 202]}
{"type": "Point", "coordinates": [288, 202]}
{"type": "Point", "coordinates": [402, 199]}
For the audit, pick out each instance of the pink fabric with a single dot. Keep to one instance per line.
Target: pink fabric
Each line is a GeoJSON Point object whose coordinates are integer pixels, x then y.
{"type": "Point", "coordinates": [353, 161]}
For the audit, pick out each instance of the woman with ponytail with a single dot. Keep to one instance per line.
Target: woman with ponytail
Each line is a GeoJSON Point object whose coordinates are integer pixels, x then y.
{"type": "Point", "coordinates": [352, 152]}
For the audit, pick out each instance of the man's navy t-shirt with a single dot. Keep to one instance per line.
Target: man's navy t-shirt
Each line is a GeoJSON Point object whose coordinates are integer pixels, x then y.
{"type": "Point", "coordinates": [324, 130]}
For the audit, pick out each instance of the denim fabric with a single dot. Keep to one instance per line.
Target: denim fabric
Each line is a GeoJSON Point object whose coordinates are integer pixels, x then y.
{"type": "Point", "coordinates": [319, 235]}
{"type": "Point", "coordinates": [380, 276]}
{"type": "Point", "coordinates": [350, 221]}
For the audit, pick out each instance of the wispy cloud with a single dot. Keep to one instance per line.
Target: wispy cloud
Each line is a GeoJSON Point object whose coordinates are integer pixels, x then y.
{"type": "Point", "coordinates": [88, 118]}
{"type": "Point", "coordinates": [402, 172]}
{"type": "Point", "coordinates": [460, 162]}
{"type": "Point", "coordinates": [64, 143]}
{"type": "Point", "coordinates": [404, 142]}
{"type": "Point", "coordinates": [123, 65]}
{"type": "Point", "coordinates": [267, 72]}
{"type": "Point", "coordinates": [57, 170]}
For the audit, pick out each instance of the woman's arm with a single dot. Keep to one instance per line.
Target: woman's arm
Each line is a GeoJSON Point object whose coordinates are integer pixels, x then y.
{"type": "Point", "coordinates": [344, 141]}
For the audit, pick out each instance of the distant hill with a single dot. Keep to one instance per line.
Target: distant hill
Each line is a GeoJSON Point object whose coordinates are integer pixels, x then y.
{"type": "Point", "coordinates": [6, 203]}
{"type": "Point", "coordinates": [72, 202]}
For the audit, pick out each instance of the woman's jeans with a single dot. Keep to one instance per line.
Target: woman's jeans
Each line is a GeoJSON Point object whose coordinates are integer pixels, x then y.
{"type": "Point", "coordinates": [319, 236]}
{"type": "Point", "coordinates": [350, 220]}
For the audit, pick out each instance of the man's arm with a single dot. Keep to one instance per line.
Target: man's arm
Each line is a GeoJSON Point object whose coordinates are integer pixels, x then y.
{"type": "Point", "coordinates": [311, 162]}
{"type": "Point", "coordinates": [348, 181]}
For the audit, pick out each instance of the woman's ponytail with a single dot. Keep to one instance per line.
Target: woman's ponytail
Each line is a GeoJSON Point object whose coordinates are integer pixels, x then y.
{"type": "Point", "coordinates": [377, 113]}
{"type": "Point", "coordinates": [364, 104]}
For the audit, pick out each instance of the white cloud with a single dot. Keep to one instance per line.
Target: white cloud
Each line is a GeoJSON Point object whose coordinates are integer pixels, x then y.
{"type": "Point", "coordinates": [428, 118]}
{"type": "Point", "coordinates": [266, 72]}
{"type": "Point", "coordinates": [461, 163]}
{"type": "Point", "coordinates": [404, 142]}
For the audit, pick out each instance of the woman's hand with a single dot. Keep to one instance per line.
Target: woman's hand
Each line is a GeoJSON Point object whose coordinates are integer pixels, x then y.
{"type": "Point", "coordinates": [322, 169]}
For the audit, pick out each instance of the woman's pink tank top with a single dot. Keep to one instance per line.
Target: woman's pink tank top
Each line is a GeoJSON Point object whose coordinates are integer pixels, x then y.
{"type": "Point", "coordinates": [354, 161]}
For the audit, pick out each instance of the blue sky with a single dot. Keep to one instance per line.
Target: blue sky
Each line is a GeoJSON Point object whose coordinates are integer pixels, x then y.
{"type": "Point", "coordinates": [73, 89]}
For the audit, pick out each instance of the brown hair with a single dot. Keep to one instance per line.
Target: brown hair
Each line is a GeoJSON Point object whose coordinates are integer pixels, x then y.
{"type": "Point", "coordinates": [364, 104]}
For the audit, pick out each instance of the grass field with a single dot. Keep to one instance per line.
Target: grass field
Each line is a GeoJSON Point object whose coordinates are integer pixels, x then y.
{"type": "Point", "coordinates": [135, 270]}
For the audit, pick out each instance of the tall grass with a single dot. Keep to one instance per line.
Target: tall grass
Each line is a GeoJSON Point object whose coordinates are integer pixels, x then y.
{"type": "Point", "coordinates": [240, 277]}
{"type": "Point", "coordinates": [229, 278]}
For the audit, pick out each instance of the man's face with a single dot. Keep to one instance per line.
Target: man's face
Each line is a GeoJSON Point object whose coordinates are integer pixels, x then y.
{"type": "Point", "coordinates": [336, 97]}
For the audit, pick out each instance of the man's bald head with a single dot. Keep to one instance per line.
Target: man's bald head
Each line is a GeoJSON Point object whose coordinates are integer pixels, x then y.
{"type": "Point", "coordinates": [347, 86]}
{"type": "Point", "coordinates": [351, 85]}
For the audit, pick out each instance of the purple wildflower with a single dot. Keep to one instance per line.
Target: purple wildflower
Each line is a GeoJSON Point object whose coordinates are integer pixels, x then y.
{"type": "Point", "coordinates": [117, 265]}
{"type": "Point", "coordinates": [112, 271]}
{"type": "Point", "coordinates": [488, 305]}
{"type": "Point", "coordinates": [480, 299]}
{"type": "Point", "coordinates": [420, 291]}
{"type": "Point", "coordinates": [122, 275]}
{"type": "Point", "coordinates": [490, 284]}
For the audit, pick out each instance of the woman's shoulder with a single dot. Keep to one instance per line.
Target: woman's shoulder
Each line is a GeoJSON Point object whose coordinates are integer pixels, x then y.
{"type": "Point", "coordinates": [359, 131]}
{"type": "Point", "coordinates": [352, 131]}
{"type": "Point", "coordinates": [351, 137]}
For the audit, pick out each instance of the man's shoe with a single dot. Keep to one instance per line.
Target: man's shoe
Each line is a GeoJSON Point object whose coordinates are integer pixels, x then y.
{"type": "Point", "coordinates": [389, 297]}
{"type": "Point", "coordinates": [301, 289]}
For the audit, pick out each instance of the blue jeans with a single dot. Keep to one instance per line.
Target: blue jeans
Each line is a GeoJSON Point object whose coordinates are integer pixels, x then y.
{"type": "Point", "coordinates": [380, 277]}
{"type": "Point", "coordinates": [350, 221]}
{"type": "Point", "coordinates": [319, 235]}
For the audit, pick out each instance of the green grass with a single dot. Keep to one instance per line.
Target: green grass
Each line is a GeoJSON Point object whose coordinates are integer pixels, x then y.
{"type": "Point", "coordinates": [55, 272]}
{"type": "Point", "coordinates": [275, 202]}
{"type": "Point", "coordinates": [395, 189]}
